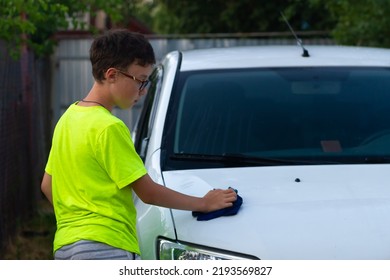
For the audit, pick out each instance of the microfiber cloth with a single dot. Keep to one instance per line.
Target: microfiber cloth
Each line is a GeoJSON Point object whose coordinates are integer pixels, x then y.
{"type": "Point", "coordinates": [229, 211]}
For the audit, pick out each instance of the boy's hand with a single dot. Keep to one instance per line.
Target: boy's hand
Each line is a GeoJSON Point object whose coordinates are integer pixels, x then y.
{"type": "Point", "coordinates": [217, 199]}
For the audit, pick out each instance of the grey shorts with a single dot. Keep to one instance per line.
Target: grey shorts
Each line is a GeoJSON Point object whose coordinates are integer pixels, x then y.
{"type": "Point", "coordinates": [92, 250]}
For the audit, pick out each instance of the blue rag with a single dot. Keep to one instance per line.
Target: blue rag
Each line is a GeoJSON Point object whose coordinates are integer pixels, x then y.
{"type": "Point", "coordinates": [229, 211]}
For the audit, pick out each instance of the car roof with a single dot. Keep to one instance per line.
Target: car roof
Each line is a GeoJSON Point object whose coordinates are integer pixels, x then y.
{"type": "Point", "coordinates": [283, 56]}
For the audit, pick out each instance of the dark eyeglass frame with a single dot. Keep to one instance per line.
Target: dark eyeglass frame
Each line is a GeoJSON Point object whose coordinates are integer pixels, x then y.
{"type": "Point", "coordinates": [143, 84]}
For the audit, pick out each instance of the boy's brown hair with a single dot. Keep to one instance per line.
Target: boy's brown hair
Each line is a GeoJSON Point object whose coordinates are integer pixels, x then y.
{"type": "Point", "coordinates": [119, 48]}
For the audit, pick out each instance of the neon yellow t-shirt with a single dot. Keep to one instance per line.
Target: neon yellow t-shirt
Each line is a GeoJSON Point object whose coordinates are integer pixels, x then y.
{"type": "Point", "coordinates": [91, 162]}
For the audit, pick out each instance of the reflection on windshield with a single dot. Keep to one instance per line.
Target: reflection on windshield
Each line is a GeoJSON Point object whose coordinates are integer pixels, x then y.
{"type": "Point", "coordinates": [285, 113]}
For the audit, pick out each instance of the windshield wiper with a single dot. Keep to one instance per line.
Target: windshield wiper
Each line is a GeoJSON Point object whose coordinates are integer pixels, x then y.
{"type": "Point", "coordinates": [237, 159]}
{"type": "Point", "coordinates": [376, 159]}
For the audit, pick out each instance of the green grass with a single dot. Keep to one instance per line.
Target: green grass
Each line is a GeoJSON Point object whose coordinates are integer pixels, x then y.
{"type": "Point", "coordinates": [34, 239]}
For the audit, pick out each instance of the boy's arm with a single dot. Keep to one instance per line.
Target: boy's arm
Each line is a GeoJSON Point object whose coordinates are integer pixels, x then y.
{"type": "Point", "coordinates": [152, 193]}
{"type": "Point", "coordinates": [46, 187]}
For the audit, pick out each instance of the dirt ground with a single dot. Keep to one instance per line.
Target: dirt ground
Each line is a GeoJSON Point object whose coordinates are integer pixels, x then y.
{"type": "Point", "coordinates": [34, 239]}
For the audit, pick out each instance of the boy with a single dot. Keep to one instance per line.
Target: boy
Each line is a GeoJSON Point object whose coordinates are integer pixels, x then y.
{"type": "Point", "coordinates": [93, 167]}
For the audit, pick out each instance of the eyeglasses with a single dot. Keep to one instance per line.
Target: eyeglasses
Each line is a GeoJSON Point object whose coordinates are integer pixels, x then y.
{"type": "Point", "coordinates": [142, 84]}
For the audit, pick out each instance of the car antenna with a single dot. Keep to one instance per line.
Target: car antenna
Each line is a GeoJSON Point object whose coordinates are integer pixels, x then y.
{"type": "Point", "coordinates": [299, 41]}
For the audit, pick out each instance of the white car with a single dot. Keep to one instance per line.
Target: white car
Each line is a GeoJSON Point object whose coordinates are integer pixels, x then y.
{"type": "Point", "coordinates": [305, 140]}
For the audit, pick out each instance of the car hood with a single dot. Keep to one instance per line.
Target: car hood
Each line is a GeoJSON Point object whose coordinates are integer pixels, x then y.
{"type": "Point", "coordinates": [302, 212]}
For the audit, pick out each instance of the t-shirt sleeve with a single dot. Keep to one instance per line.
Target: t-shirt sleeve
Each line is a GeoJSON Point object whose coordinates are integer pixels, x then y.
{"type": "Point", "coordinates": [116, 153]}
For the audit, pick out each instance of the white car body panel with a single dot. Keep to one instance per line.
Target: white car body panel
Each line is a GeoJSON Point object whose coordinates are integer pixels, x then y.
{"type": "Point", "coordinates": [153, 220]}
{"type": "Point", "coordinates": [283, 56]}
{"type": "Point", "coordinates": [332, 213]}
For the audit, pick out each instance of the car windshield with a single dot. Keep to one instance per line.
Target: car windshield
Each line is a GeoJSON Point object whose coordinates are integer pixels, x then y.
{"type": "Point", "coordinates": [316, 115]}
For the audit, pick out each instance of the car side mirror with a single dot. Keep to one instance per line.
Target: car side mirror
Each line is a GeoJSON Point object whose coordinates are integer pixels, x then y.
{"type": "Point", "coordinates": [144, 146]}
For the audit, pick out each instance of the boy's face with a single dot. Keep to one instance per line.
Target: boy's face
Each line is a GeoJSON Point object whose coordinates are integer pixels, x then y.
{"type": "Point", "coordinates": [130, 85]}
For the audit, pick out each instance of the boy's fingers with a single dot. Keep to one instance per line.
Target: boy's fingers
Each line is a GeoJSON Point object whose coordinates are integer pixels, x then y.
{"type": "Point", "coordinates": [231, 195]}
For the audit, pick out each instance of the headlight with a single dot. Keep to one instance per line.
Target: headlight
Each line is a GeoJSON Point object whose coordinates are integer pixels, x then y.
{"type": "Point", "coordinates": [169, 250]}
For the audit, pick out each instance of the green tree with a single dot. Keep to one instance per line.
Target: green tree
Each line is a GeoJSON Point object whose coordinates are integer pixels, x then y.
{"type": "Point", "coordinates": [360, 22]}
{"type": "Point", "coordinates": [33, 23]}
{"type": "Point", "coordinates": [350, 22]}
{"type": "Point", "coordinates": [232, 16]}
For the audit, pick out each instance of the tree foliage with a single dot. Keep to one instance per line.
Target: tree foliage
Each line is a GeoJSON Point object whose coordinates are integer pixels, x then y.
{"type": "Point", "coordinates": [33, 23]}
{"type": "Point", "coordinates": [351, 22]}
{"type": "Point", "coordinates": [360, 22]}
{"type": "Point", "coordinates": [232, 16]}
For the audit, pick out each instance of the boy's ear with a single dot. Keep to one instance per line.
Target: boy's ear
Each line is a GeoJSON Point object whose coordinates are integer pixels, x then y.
{"type": "Point", "coordinates": [110, 74]}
